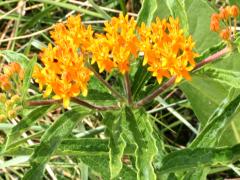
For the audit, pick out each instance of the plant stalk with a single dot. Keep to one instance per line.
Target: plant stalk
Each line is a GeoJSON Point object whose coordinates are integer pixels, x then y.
{"type": "Point", "coordinates": [99, 77]}
{"type": "Point", "coordinates": [73, 99]}
{"type": "Point", "coordinates": [127, 86]}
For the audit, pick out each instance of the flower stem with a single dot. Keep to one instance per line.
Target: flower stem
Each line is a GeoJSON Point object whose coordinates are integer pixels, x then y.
{"type": "Point", "coordinates": [127, 86]}
{"type": "Point", "coordinates": [99, 77]}
{"type": "Point", "coordinates": [73, 99]}
{"type": "Point", "coordinates": [171, 81]}
{"type": "Point", "coordinates": [93, 106]}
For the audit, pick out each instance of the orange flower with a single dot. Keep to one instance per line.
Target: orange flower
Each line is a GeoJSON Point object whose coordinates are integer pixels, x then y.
{"type": "Point", "coordinates": [12, 73]}
{"type": "Point", "coordinates": [225, 34]}
{"type": "Point", "coordinates": [226, 14]}
{"type": "Point", "coordinates": [64, 72]}
{"type": "Point", "coordinates": [115, 48]}
{"type": "Point", "coordinates": [234, 11]}
{"type": "Point", "coordinates": [167, 52]}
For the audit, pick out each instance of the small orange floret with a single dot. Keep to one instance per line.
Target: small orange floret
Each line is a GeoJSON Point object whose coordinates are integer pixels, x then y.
{"type": "Point", "coordinates": [215, 17]}
{"type": "Point", "coordinates": [214, 26]}
{"type": "Point", "coordinates": [225, 34]}
{"type": "Point", "coordinates": [5, 82]}
{"type": "Point", "coordinates": [15, 67]}
{"type": "Point", "coordinates": [234, 11]}
{"type": "Point", "coordinates": [224, 13]}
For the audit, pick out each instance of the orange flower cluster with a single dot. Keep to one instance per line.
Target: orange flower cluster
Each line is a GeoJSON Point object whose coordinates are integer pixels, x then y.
{"type": "Point", "coordinates": [64, 71]}
{"type": "Point", "coordinates": [11, 77]}
{"type": "Point", "coordinates": [115, 48]}
{"type": "Point", "coordinates": [12, 74]}
{"type": "Point", "coordinates": [166, 50]}
{"type": "Point", "coordinates": [225, 15]}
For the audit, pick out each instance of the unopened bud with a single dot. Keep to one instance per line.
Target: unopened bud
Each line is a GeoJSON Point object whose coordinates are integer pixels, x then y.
{"type": "Point", "coordinates": [214, 26]}
{"type": "Point", "coordinates": [9, 104]}
{"type": "Point", "coordinates": [225, 34]}
{"type": "Point", "coordinates": [15, 67]}
{"type": "Point", "coordinates": [225, 13]}
{"type": "Point", "coordinates": [15, 99]}
{"type": "Point", "coordinates": [234, 11]}
{"type": "Point", "coordinates": [2, 117]}
{"type": "Point", "coordinates": [215, 17]}
{"type": "Point", "coordinates": [3, 97]}
{"type": "Point", "coordinates": [12, 114]}
{"type": "Point", "coordinates": [7, 70]}
{"type": "Point", "coordinates": [6, 86]}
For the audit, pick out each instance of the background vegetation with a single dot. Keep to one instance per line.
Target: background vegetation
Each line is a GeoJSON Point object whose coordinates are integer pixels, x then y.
{"type": "Point", "coordinates": [73, 149]}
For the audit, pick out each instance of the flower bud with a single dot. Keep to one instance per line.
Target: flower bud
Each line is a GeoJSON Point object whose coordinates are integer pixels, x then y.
{"type": "Point", "coordinates": [15, 67]}
{"type": "Point", "coordinates": [225, 13]}
{"type": "Point", "coordinates": [214, 26]}
{"type": "Point", "coordinates": [7, 71]}
{"type": "Point", "coordinates": [9, 104]}
{"type": "Point", "coordinates": [15, 99]}
{"type": "Point", "coordinates": [234, 11]}
{"type": "Point", "coordinates": [6, 86]}
{"type": "Point", "coordinates": [215, 17]}
{"type": "Point", "coordinates": [3, 97]}
{"type": "Point", "coordinates": [12, 114]}
{"type": "Point", "coordinates": [2, 117]}
{"type": "Point", "coordinates": [225, 34]}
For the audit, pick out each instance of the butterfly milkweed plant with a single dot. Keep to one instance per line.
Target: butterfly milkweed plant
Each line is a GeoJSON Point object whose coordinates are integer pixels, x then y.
{"type": "Point", "coordinates": [128, 90]}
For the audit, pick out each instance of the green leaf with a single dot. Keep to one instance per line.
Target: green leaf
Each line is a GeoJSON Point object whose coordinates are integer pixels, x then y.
{"type": "Point", "coordinates": [214, 129]}
{"type": "Point", "coordinates": [14, 161]}
{"type": "Point", "coordinates": [193, 159]}
{"type": "Point", "coordinates": [12, 56]}
{"type": "Point", "coordinates": [27, 76]}
{"type": "Point", "coordinates": [25, 124]}
{"type": "Point", "coordinates": [140, 79]}
{"type": "Point", "coordinates": [228, 77]}
{"type": "Point", "coordinates": [36, 18]}
{"type": "Point", "coordinates": [84, 146]}
{"type": "Point", "coordinates": [141, 130]}
{"type": "Point", "coordinates": [152, 9]}
{"type": "Point", "coordinates": [177, 10]}
{"type": "Point", "coordinates": [117, 144]}
{"type": "Point", "coordinates": [51, 140]}
{"type": "Point", "coordinates": [71, 7]}
{"type": "Point", "coordinates": [206, 94]}
{"type": "Point", "coordinates": [199, 15]}
{"type": "Point", "coordinates": [99, 10]}
{"type": "Point", "coordinates": [234, 2]}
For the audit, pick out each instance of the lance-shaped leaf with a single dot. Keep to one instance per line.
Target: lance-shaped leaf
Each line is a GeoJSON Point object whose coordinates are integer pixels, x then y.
{"type": "Point", "coordinates": [190, 159]}
{"type": "Point", "coordinates": [27, 76]}
{"type": "Point", "coordinates": [146, 149]}
{"type": "Point", "coordinates": [25, 123]}
{"type": "Point", "coordinates": [51, 140]}
{"type": "Point", "coordinates": [117, 144]}
{"type": "Point", "coordinates": [214, 129]}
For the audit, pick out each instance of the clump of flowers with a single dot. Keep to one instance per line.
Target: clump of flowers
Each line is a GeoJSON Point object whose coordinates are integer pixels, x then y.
{"type": "Point", "coordinates": [117, 46]}
{"type": "Point", "coordinates": [167, 52]}
{"type": "Point", "coordinates": [11, 78]}
{"type": "Point", "coordinates": [225, 15]}
{"type": "Point", "coordinates": [64, 70]}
